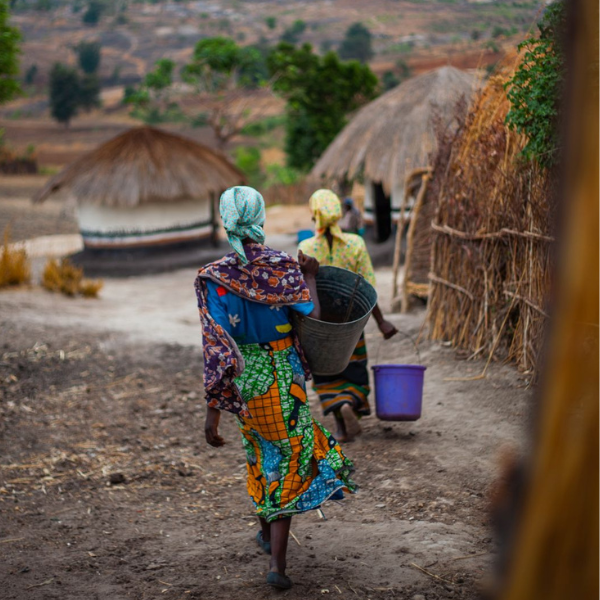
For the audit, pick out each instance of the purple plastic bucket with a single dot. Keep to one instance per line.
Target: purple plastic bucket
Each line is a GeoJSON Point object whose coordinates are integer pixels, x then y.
{"type": "Point", "coordinates": [398, 391]}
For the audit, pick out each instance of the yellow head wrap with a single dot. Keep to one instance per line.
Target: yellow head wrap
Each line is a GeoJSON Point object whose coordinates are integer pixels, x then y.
{"type": "Point", "coordinates": [327, 211]}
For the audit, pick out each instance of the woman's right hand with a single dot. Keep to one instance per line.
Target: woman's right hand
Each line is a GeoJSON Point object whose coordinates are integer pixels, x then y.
{"type": "Point", "coordinates": [308, 264]}
{"type": "Point", "coordinates": [211, 427]}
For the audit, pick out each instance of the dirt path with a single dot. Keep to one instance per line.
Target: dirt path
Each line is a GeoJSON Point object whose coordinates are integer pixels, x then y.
{"type": "Point", "coordinates": [84, 395]}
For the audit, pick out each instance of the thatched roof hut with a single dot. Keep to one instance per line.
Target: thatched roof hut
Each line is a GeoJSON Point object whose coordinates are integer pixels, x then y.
{"type": "Point", "coordinates": [393, 135]}
{"type": "Point", "coordinates": [145, 187]}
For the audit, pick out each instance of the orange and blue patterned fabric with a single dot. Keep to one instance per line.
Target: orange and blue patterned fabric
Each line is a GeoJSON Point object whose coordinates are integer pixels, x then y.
{"type": "Point", "coordinates": [251, 322]}
{"type": "Point", "coordinates": [294, 464]}
{"type": "Point", "coordinates": [270, 278]}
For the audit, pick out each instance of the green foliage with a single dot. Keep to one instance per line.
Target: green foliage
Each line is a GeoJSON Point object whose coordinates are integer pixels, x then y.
{"type": "Point", "coordinates": [10, 38]}
{"type": "Point", "coordinates": [88, 56]}
{"type": "Point", "coordinates": [320, 92]}
{"type": "Point", "coordinates": [393, 78]}
{"type": "Point", "coordinates": [389, 80]}
{"type": "Point", "coordinates": [281, 175]}
{"type": "Point", "coordinates": [260, 128]}
{"type": "Point", "coordinates": [247, 159]}
{"type": "Point", "coordinates": [536, 88]}
{"type": "Point", "coordinates": [492, 46]}
{"type": "Point", "coordinates": [89, 92]}
{"type": "Point", "coordinates": [218, 63]}
{"type": "Point", "coordinates": [162, 76]}
{"type": "Point", "coordinates": [293, 33]}
{"type": "Point", "coordinates": [31, 74]}
{"type": "Point", "coordinates": [271, 22]}
{"type": "Point", "coordinates": [93, 13]}
{"type": "Point", "coordinates": [64, 93]}
{"type": "Point", "coordinates": [356, 44]}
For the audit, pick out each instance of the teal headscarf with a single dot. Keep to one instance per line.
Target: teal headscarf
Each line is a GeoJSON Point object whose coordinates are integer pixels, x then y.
{"type": "Point", "coordinates": [242, 210]}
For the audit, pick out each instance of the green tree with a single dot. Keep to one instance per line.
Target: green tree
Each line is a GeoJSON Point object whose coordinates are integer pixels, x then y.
{"type": "Point", "coordinates": [247, 159]}
{"type": "Point", "coordinates": [64, 93]}
{"type": "Point", "coordinates": [93, 13]}
{"type": "Point", "coordinates": [10, 38]}
{"type": "Point", "coordinates": [89, 92]}
{"type": "Point", "coordinates": [31, 74]}
{"type": "Point", "coordinates": [356, 44]}
{"type": "Point", "coordinates": [389, 80]}
{"type": "Point", "coordinates": [89, 56]}
{"type": "Point", "coordinates": [292, 34]}
{"type": "Point", "coordinates": [271, 22]}
{"type": "Point", "coordinates": [535, 90]}
{"type": "Point", "coordinates": [320, 92]}
{"type": "Point", "coordinates": [221, 72]}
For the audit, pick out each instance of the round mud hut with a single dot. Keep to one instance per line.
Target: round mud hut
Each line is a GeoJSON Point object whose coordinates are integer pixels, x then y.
{"type": "Point", "coordinates": [391, 137]}
{"type": "Point", "coordinates": [144, 189]}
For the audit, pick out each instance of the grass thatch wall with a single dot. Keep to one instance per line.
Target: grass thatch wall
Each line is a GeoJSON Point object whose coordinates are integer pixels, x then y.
{"type": "Point", "coordinates": [492, 238]}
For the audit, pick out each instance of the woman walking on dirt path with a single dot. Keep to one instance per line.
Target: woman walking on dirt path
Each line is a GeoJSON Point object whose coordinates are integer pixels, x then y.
{"type": "Point", "coordinates": [345, 394]}
{"type": "Point", "coordinates": [254, 368]}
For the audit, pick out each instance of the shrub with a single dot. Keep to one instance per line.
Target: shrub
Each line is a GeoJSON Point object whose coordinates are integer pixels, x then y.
{"type": "Point", "coordinates": [15, 268]}
{"type": "Point", "coordinates": [66, 278]}
{"type": "Point", "coordinates": [535, 90]}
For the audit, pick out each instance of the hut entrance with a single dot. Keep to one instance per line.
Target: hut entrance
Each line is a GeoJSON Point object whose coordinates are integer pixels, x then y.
{"type": "Point", "coordinates": [383, 213]}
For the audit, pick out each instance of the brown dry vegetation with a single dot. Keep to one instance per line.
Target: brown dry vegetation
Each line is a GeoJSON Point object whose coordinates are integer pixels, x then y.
{"type": "Point", "coordinates": [492, 238]}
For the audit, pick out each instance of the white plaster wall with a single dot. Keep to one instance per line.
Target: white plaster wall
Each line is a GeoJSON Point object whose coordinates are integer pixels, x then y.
{"type": "Point", "coordinates": [104, 219]}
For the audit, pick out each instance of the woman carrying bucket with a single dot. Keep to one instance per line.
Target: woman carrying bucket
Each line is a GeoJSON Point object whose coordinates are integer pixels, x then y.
{"type": "Point", "coordinates": [255, 369]}
{"type": "Point", "coordinates": [345, 394]}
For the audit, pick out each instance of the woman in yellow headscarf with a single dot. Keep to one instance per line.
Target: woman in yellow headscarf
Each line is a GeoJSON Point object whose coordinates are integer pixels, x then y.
{"type": "Point", "coordinates": [346, 394]}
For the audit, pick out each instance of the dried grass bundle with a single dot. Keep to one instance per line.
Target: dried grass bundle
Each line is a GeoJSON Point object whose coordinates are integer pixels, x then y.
{"type": "Point", "coordinates": [15, 268]}
{"type": "Point", "coordinates": [66, 278]}
{"type": "Point", "coordinates": [491, 238]}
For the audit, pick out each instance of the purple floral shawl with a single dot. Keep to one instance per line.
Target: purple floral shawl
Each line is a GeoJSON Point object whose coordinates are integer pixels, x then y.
{"type": "Point", "coordinates": [270, 277]}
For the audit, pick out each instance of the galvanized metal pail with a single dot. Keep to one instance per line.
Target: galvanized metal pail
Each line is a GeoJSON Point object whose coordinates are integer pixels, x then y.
{"type": "Point", "coordinates": [347, 301]}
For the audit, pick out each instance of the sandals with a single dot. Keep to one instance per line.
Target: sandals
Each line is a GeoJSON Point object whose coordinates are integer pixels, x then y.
{"type": "Point", "coordinates": [266, 546]}
{"type": "Point", "coordinates": [279, 581]}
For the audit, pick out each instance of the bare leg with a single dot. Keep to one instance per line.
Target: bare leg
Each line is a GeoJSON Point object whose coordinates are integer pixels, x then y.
{"type": "Point", "coordinates": [266, 529]}
{"type": "Point", "coordinates": [351, 423]}
{"type": "Point", "coordinates": [280, 530]}
{"type": "Point", "coordinates": [340, 434]}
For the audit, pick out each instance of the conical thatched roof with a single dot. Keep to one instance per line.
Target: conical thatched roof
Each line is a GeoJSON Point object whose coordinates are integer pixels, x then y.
{"type": "Point", "coordinates": [394, 134]}
{"type": "Point", "coordinates": [142, 166]}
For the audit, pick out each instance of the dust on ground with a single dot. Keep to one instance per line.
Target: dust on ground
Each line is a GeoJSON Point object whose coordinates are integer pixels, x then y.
{"type": "Point", "coordinates": [97, 389]}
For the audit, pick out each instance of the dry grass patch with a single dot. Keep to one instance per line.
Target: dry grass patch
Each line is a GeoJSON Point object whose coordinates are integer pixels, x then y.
{"type": "Point", "coordinates": [15, 268]}
{"type": "Point", "coordinates": [64, 277]}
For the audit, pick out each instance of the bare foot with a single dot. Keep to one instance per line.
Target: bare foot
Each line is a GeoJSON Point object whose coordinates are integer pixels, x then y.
{"type": "Point", "coordinates": [351, 423]}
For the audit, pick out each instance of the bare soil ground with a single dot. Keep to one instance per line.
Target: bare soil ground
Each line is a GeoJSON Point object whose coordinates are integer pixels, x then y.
{"type": "Point", "coordinates": [110, 390]}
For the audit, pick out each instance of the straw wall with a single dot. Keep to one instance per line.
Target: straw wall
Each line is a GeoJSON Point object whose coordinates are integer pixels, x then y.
{"type": "Point", "coordinates": [492, 239]}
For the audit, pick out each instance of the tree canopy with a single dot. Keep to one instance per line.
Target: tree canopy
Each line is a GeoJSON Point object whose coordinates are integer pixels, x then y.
{"type": "Point", "coordinates": [320, 92]}
{"type": "Point", "coordinates": [292, 34]}
{"type": "Point", "coordinates": [89, 56]}
{"type": "Point", "coordinates": [93, 13]}
{"type": "Point", "coordinates": [9, 56]}
{"type": "Point", "coordinates": [64, 93]}
{"type": "Point", "coordinates": [356, 44]}
{"type": "Point", "coordinates": [221, 71]}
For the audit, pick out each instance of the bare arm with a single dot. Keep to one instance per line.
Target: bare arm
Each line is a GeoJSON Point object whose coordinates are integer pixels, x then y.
{"type": "Point", "coordinates": [310, 267]}
{"type": "Point", "coordinates": [387, 329]}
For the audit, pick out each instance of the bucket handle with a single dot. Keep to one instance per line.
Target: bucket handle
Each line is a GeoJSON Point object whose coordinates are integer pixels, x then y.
{"type": "Point", "coordinates": [409, 337]}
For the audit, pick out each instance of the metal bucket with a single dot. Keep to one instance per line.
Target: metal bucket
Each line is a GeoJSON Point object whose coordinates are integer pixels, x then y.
{"type": "Point", "coordinates": [347, 298]}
